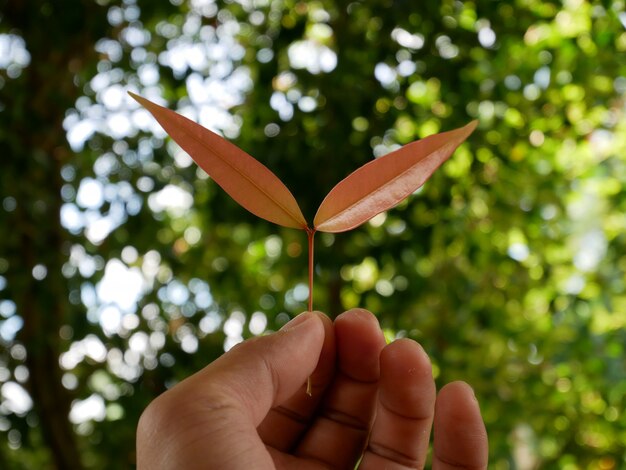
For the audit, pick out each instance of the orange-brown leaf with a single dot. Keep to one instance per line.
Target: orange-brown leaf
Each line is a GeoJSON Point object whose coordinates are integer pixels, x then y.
{"type": "Point", "coordinates": [382, 183]}
{"type": "Point", "coordinates": [244, 178]}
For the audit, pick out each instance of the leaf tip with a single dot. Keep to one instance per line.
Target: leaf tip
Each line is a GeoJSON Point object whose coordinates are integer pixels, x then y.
{"type": "Point", "coordinates": [472, 125]}
{"type": "Point", "coordinates": [139, 99]}
{"type": "Point", "coordinates": [134, 96]}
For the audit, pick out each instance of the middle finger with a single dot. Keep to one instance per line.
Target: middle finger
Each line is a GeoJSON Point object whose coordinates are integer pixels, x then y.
{"type": "Point", "coordinates": [339, 434]}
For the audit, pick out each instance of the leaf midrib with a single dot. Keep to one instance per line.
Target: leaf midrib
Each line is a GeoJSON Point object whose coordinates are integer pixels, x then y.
{"type": "Point", "coordinates": [383, 186]}
{"type": "Point", "coordinates": [245, 176]}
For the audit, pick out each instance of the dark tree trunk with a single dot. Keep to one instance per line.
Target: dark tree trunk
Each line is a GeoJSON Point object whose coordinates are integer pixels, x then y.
{"type": "Point", "coordinates": [34, 139]}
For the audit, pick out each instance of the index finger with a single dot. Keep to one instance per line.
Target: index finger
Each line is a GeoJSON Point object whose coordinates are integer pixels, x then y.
{"type": "Point", "coordinates": [338, 435]}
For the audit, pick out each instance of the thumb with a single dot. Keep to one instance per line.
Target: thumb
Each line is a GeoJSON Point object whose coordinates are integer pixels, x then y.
{"type": "Point", "coordinates": [263, 372]}
{"type": "Point", "coordinates": [214, 414]}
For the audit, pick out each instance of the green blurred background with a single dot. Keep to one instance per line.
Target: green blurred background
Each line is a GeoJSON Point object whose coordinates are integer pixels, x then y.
{"type": "Point", "coordinates": [124, 268]}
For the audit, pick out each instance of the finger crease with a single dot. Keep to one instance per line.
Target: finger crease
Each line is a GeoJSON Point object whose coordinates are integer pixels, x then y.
{"type": "Point", "coordinates": [273, 374]}
{"type": "Point", "coordinates": [344, 419]}
{"type": "Point", "coordinates": [459, 466]}
{"type": "Point", "coordinates": [211, 405]}
{"type": "Point", "coordinates": [359, 381]}
{"type": "Point", "coordinates": [417, 417]}
{"type": "Point", "coordinates": [393, 455]}
{"type": "Point", "coordinates": [292, 415]}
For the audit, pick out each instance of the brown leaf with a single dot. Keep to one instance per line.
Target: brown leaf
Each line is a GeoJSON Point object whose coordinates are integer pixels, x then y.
{"type": "Point", "coordinates": [383, 183]}
{"type": "Point", "coordinates": [244, 178]}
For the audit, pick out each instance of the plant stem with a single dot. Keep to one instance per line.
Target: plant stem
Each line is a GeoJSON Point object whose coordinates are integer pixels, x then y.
{"type": "Point", "coordinates": [310, 234]}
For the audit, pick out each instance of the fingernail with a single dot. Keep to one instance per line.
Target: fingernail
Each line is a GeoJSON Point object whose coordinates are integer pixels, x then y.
{"type": "Point", "coordinates": [297, 321]}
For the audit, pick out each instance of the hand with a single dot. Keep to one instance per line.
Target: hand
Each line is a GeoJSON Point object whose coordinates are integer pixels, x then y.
{"type": "Point", "coordinates": [249, 409]}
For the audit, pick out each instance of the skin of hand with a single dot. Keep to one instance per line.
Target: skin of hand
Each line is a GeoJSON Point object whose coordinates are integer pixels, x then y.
{"type": "Point", "coordinates": [371, 404]}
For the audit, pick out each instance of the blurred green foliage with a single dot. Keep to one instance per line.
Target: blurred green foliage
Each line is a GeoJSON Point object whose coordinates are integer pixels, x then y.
{"type": "Point", "coordinates": [124, 269]}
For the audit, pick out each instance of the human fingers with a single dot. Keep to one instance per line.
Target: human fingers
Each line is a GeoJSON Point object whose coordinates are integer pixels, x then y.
{"type": "Point", "coordinates": [284, 424]}
{"type": "Point", "coordinates": [404, 414]}
{"type": "Point", "coordinates": [211, 417]}
{"type": "Point", "coordinates": [339, 433]}
{"type": "Point", "coordinates": [460, 435]}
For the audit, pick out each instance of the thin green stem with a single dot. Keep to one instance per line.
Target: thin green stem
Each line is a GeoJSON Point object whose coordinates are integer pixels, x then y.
{"type": "Point", "coordinates": [310, 234]}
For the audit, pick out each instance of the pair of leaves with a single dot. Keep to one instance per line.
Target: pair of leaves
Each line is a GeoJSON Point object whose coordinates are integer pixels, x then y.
{"type": "Point", "coordinates": [375, 187]}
